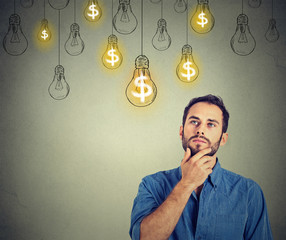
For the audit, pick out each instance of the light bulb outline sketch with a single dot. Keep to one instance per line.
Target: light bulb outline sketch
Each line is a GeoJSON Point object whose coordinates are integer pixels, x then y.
{"type": "Point", "coordinates": [44, 34]}
{"type": "Point", "coordinates": [180, 6]}
{"type": "Point", "coordinates": [161, 40]}
{"type": "Point", "coordinates": [272, 34]}
{"type": "Point", "coordinates": [59, 4]}
{"type": "Point", "coordinates": [74, 45]}
{"type": "Point", "coordinates": [112, 57]}
{"type": "Point", "coordinates": [15, 42]}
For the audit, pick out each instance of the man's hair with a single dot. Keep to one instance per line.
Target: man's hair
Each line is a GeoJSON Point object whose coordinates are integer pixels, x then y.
{"type": "Point", "coordinates": [211, 99]}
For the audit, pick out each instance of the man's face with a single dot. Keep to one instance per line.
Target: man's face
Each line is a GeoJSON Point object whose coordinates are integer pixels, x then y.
{"type": "Point", "coordinates": [203, 128]}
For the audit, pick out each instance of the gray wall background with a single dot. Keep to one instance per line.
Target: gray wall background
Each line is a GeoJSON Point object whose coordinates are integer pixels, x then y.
{"type": "Point", "coordinates": [70, 169]}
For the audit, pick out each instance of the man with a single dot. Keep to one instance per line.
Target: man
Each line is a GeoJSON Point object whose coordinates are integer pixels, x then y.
{"type": "Point", "coordinates": [200, 200]}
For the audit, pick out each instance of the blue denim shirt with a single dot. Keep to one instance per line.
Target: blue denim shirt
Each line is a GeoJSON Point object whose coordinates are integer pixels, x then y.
{"type": "Point", "coordinates": [230, 207]}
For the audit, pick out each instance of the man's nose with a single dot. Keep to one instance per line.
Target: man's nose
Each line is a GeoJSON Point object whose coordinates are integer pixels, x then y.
{"type": "Point", "coordinates": [200, 130]}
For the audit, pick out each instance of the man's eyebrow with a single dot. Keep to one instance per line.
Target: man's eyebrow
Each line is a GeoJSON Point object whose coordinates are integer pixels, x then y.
{"type": "Point", "coordinates": [194, 117]}
{"type": "Point", "coordinates": [213, 120]}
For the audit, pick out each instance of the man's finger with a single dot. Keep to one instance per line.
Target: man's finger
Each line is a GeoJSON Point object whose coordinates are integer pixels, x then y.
{"type": "Point", "coordinates": [187, 155]}
{"type": "Point", "coordinates": [200, 154]}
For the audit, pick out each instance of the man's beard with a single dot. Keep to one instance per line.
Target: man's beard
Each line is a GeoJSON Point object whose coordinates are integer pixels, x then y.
{"type": "Point", "coordinates": [214, 147]}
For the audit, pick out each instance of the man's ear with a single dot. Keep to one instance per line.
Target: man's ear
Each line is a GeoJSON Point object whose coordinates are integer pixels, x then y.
{"type": "Point", "coordinates": [224, 139]}
{"type": "Point", "coordinates": [181, 132]}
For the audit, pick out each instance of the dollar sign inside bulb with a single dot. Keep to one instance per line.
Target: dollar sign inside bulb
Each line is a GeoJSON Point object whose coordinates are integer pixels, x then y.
{"type": "Point", "coordinates": [161, 40]}
{"type": "Point", "coordinates": [27, 3]}
{"type": "Point", "coordinates": [74, 45]}
{"type": "Point", "coordinates": [254, 3]}
{"type": "Point", "coordinates": [180, 6]}
{"type": "Point", "coordinates": [141, 91]}
{"type": "Point", "coordinates": [124, 20]}
{"type": "Point", "coordinates": [59, 88]}
{"type": "Point", "coordinates": [92, 11]}
{"type": "Point", "coordinates": [242, 42]}
{"type": "Point", "coordinates": [15, 43]}
{"type": "Point", "coordinates": [44, 34]}
{"type": "Point", "coordinates": [58, 4]}
{"type": "Point", "coordinates": [202, 21]}
{"type": "Point", "coordinates": [272, 34]}
{"type": "Point", "coordinates": [187, 70]}
{"type": "Point", "coordinates": [112, 58]}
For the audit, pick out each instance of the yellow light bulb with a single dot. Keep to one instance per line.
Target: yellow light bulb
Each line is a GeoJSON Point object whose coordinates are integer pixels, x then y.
{"type": "Point", "coordinates": [92, 11]}
{"type": "Point", "coordinates": [44, 34]}
{"type": "Point", "coordinates": [112, 58]}
{"type": "Point", "coordinates": [202, 21]}
{"type": "Point", "coordinates": [141, 91]}
{"type": "Point", "coordinates": [187, 70]}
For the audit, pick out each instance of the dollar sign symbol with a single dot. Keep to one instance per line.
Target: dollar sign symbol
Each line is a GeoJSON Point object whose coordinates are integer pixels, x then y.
{"type": "Point", "coordinates": [190, 71]}
{"type": "Point", "coordinates": [44, 34]}
{"type": "Point", "coordinates": [139, 83]}
{"type": "Point", "coordinates": [93, 10]}
{"type": "Point", "coordinates": [204, 20]}
{"type": "Point", "coordinates": [114, 57]}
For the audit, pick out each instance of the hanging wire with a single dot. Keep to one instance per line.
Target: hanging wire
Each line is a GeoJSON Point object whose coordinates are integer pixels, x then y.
{"type": "Point", "coordinates": [59, 37]}
{"type": "Point", "coordinates": [141, 27]}
{"type": "Point", "coordinates": [74, 11]}
{"type": "Point", "coordinates": [242, 6]}
{"type": "Point", "coordinates": [161, 8]}
{"type": "Point", "coordinates": [44, 9]}
{"type": "Point", "coordinates": [112, 16]}
{"type": "Point", "coordinates": [14, 6]}
{"type": "Point", "coordinates": [272, 9]}
{"type": "Point", "coordinates": [187, 19]}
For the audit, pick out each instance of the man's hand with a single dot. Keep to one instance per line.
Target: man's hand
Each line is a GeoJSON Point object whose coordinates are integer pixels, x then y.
{"type": "Point", "coordinates": [197, 168]}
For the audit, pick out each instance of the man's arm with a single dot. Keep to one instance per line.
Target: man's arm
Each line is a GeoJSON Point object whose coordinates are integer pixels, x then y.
{"type": "Point", "coordinates": [160, 224]}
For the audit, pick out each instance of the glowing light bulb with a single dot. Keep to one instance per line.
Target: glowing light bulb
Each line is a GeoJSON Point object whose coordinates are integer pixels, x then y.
{"type": "Point", "coordinates": [124, 20]}
{"type": "Point", "coordinates": [27, 3]}
{"type": "Point", "coordinates": [202, 21]}
{"type": "Point", "coordinates": [92, 11]}
{"type": "Point", "coordinates": [161, 40]}
{"type": "Point", "coordinates": [59, 88]}
{"type": "Point", "coordinates": [187, 70]}
{"type": "Point", "coordinates": [15, 43]}
{"type": "Point", "coordinates": [254, 3]}
{"type": "Point", "coordinates": [180, 6]}
{"type": "Point", "coordinates": [59, 4]}
{"type": "Point", "coordinates": [141, 91]}
{"type": "Point", "coordinates": [272, 33]}
{"type": "Point", "coordinates": [44, 34]}
{"type": "Point", "coordinates": [74, 45]}
{"type": "Point", "coordinates": [242, 42]}
{"type": "Point", "coordinates": [155, 1]}
{"type": "Point", "coordinates": [112, 57]}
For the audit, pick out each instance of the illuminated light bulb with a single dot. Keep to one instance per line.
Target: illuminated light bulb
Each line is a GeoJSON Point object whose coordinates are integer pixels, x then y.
{"type": "Point", "coordinates": [272, 34]}
{"type": "Point", "coordinates": [27, 3]}
{"type": "Point", "coordinates": [44, 34]}
{"type": "Point", "coordinates": [92, 11]}
{"type": "Point", "coordinates": [242, 42]}
{"type": "Point", "coordinates": [112, 57]}
{"type": "Point", "coordinates": [202, 21]}
{"type": "Point", "coordinates": [15, 43]}
{"type": "Point", "coordinates": [155, 1]}
{"type": "Point", "coordinates": [187, 70]}
{"type": "Point", "coordinates": [161, 40]}
{"type": "Point", "coordinates": [254, 3]}
{"type": "Point", "coordinates": [124, 20]}
{"type": "Point", "coordinates": [59, 88]}
{"type": "Point", "coordinates": [74, 45]}
{"type": "Point", "coordinates": [180, 6]}
{"type": "Point", "coordinates": [59, 4]}
{"type": "Point", "coordinates": [141, 91]}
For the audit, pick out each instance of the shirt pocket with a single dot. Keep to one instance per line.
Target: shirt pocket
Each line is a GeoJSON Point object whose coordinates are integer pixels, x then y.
{"type": "Point", "coordinates": [229, 227]}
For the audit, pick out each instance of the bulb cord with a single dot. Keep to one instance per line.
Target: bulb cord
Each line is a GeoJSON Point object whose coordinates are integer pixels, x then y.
{"type": "Point", "coordinates": [59, 60]}
{"type": "Point", "coordinates": [161, 8]}
{"type": "Point", "coordinates": [14, 6]}
{"type": "Point", "coordinates": [44, 9]}
{"type": "Point", "coordinates": [112, 17]}
{"type": "Point", "coordinates": [141, 27]}
{"type": "Point", "coordinates": [242, 6]}
{"type": "Point", "coordinates": [74, 11]}
{"type": "Point", "coordinates": [187, 19]}
{"type": "Point", "coordinates": [272, 8]}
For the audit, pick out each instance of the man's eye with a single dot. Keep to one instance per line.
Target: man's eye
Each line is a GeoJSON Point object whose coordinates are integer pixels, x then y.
{"type": "Point", "coordinates": [211, 125]}
{"type": "Point", "coordinates": [194, 122]}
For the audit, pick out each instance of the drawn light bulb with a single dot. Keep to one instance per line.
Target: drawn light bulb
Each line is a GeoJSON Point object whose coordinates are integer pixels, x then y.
{"type": "Point", "coordinates": [15, 43]}
{"type": "Point", "coordinates": [27, 3]}
{"type": "Point", "coordinates": [187, 70]}
{"type": "Point", "coordinates": [161, 40]}
{"type": "Point", "coordinates": [124, 20]}
{"type": "Point", "coordinates": [74, 45]}
{"type": "Point", "coordinates": [242, 42]}
{"type": "Point", "coordinates": [141, 91]}
{"type": "Point", "coordinates": [59, 88]}
{"type": "Point", "coordinates": [180, 6]}
{"type": "Point", "coordinates": [272, 33]}
{"type": "Point", "coordinates": [112, 58]}
{"type": "Point", "coordinates": [59, 4]}
{"type": "Point", "coordinates": [155, 1]}
{"type": "Point", "coordinates": [44, 34]}
{"type": "Point", "coordinates": [92, 12]}
{"type": "Point", "coordinates": [254, 3]}
{"type": "Point", "coordinates": [202, 21]}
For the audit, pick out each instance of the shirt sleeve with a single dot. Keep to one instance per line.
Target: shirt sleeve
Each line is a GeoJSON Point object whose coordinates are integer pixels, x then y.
{"type": "Point", "coordinates": [257, 225]}
{"type": "Point", "coordinates": [144, 204]}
